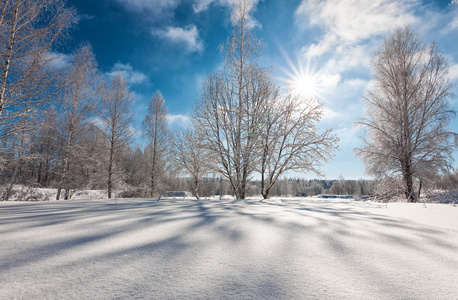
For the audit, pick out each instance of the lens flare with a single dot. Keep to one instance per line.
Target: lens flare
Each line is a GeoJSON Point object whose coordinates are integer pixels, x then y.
{"type": "Point", "coordinates": [302, 78]}
{"type": "Point", "coordinates": [305, 85]}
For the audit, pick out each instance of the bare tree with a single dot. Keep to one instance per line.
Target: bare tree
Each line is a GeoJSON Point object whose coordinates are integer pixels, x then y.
{"type": "Point", "coordinates": [23, 134]}
{"type": "Point", "coordinates": [28, 29]}
{"type": "Point", "coordinates": [117, 119]}
{"type": "Point", "coordinates": [191, 157]}
{"type": "Point", "coordinates": [88, 161]}
{"type": "Point", "coordinates": [46, 149]}
{"type": "Point", "coordinates": [290, 140]}
{"type": "Point", "coordinates": [337, 188]}
{"type": "Point", "coordinates": [230, 109]}
{"type": "Point", "coordinates": [407, 113]}
{"type": "Point", "coordinates": [79, 102]}
{"type": "Point", "coordinates": [155, 132]}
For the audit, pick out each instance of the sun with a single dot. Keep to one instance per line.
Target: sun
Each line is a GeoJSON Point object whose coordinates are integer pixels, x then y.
{"type": "Point", "coordinates": [305, 85]}
{"type": "Point", "coordinates": [302, 79]}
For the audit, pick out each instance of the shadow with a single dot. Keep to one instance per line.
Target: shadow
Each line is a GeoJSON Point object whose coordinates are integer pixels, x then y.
{"type": "Point", "coordinates": [266, 249]}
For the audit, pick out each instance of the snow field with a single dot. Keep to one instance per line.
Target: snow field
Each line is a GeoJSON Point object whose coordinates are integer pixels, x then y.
{"type": "Point", "coordinates": [304, 248]}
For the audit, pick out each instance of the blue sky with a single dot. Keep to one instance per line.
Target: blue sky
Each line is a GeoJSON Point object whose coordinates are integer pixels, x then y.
{"type": "Point", "coordinates": [171, 45]}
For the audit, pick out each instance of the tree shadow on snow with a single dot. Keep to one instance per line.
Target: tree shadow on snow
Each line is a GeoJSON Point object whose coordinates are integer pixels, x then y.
{"type": "Point", "coordinates": [203, 247]}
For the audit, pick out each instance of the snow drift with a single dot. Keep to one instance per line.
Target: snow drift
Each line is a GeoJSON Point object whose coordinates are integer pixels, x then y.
{"type": "Point", "coordinates": [277, 249]}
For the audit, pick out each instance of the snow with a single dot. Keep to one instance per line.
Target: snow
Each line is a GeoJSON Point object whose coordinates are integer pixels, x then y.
{"type": "Point", "coordinates": [298, 248]}
{"type": "Point", "coordinates": [49, 194]}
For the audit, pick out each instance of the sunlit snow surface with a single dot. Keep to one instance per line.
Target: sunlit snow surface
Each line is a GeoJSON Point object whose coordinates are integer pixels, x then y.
{"type": "Point", "coordinates": [277, 249]}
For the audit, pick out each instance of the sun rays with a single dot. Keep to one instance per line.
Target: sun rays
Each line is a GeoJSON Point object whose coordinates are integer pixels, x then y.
{"type": "Point", "coordinates": [303, 79]}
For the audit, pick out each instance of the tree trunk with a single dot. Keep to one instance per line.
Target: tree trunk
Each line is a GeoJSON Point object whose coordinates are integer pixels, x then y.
{"type": "Point", "coordinates": [39, 173]}
{"type": "Point", "coordinates": [17, 166]}
{"type": "Point", "coordinates": [65, 166]}
{"type": "Point", "coordinates": [419, 189]}
{"type": "Point", "coordinates": [110, 170]}
{"type": "Point", "coordinates": [153, 183]}
{"type": "Point", "coordinates": [242, 192]}
{"type": "Point", "coordinates": [195, 188]}
{"type": "Point", "coordinates": [410, 193]}
{"type": "Point", "coordinates": [266, 194]}
{"type": "Point", "coordinates": [9, 188]}
{"type": "Point", "coordinates": [46, 179]}
{"type": "Point", "coordinates": [154, 165]}
{"type": "Point", "coordinates": [8, 57]}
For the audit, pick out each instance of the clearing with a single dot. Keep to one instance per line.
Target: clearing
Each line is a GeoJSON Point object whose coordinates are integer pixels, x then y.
{"type": "Point", "coordinates": [304, 248]}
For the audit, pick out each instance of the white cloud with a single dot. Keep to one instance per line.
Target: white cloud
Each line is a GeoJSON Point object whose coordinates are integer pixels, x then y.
{"type": "Point", "coordinates": [329, 115]}
{"type": "Point", "coordinates": [134, 131]}
{"type": "Point", "coordinates": [357, 83]}
{"type": "Point", "coordinates": [237, 6]}
{"type": "Point", "coordinates": [81, 17]}
{"type": "Point", "coordinates": [450, 27]}
{"type": "Point", "coordinates": [98, 122]}
{"type": "Point", "coordinates": [330, 80]}
{"type": "Point", "coordinates": [188, 36]}
{"type": "Point", "coordinates": [454, 24]}
{"type": "Point", "coordinates": [453, 72]}
{"type": "Point", "coordinates": [201, 5]}
{"type": "Point", "coordinates": [128, 73]}
{"type": "Point", "coordinates": [349, 22]}
{"type": "Point", "coordinates": [178, 119]}
{"type": "Point", "coordinates": [318, 49]}
{"type": "Point", "coordinates": [355, 20]}
{"type": "Point", "coordinates": [156, 7]}
{"type": "Point", "coordinates": [58, 60]}
{"type": "Point", "coordinates": [355, 56]}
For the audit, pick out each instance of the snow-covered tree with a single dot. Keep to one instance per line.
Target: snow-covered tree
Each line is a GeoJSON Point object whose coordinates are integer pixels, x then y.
{"type": "Point", "coordinates": [155, 132]}
{"type": "Point", "coordinates": [28, 30]}
{"type": "Point", "coordinates": [407, 112]}
{"type": "Point", "coordinates": [22, 134]}
{"type": "Point", "coordinates": [45, 148]}
{"type": "Point", "coordinates": [290, 139]}
{"type": "Point", "coordinates": [230, 109]}
{"type": "Point", "coordinates": [191, 158]}
{"type": "Point", "coordinates": [116, 121]}
{"type": "Point", "coordinates": [79, 103]}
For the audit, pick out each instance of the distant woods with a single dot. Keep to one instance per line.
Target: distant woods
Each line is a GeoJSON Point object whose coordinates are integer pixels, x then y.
{"type": "Point", "coordinates": [62, 126]}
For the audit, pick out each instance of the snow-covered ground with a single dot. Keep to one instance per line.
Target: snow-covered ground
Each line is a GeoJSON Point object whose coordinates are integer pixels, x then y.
{"type": "Point", "coordinates": [305, 248]}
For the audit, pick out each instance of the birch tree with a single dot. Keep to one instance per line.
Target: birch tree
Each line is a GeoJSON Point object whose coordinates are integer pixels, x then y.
{"type": "Point", "coordinates": [155, 132]}
{"type": "Point", "coordinates": [24, 138]}
{"type": "Point", "coordinates": [407, 112]}
{"type": "Point", "coordinates": [230, 109]}
{"type": "Point", "coordinates": [291, 141]}
{"type": "Point", "coordinates": [192, 158]}
{"type": "Point", "coordinates": [79, 102]}
{"type": "Point", "coordinates": [116, 119]}
{"type": "Point", "coordinates": [28, 30]}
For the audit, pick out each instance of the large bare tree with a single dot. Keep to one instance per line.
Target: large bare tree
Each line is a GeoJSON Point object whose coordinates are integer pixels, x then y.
{"type": "Point", "coordinates": [230, 110]}
{"type": "Point", "coordinates": [117, 119]}
{"type": "Point", "coordinates": [28, 30]}
{"type": "Point", "coordinates": [290, 139]}
{"type": "Point", "coordinates": [79, 103]}
{"type": "Point", "coordinates": [155, 132]}
{"type": "Point", "coordinates": [407, 113]}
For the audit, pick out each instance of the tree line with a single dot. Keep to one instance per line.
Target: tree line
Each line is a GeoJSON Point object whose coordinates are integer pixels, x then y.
{"type": "Point", "coordinates": [64, 127]}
